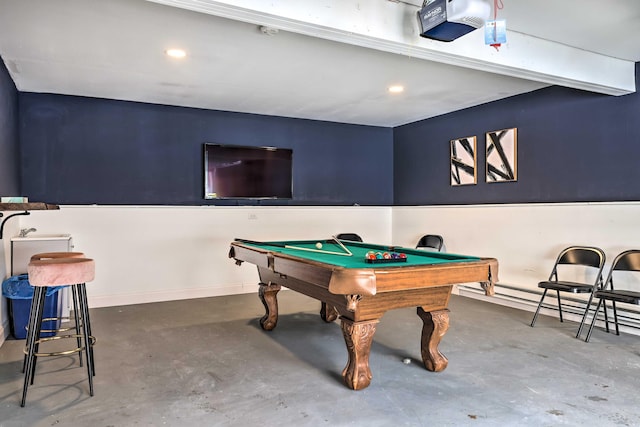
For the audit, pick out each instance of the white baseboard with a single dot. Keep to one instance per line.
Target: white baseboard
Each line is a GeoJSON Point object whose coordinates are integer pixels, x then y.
{"type": "Point", "coordinates": [520, 305]}
{"type": "Point", "coordinates": [531, 307]}
{"type": "Point", "coordinates": [96, 301]}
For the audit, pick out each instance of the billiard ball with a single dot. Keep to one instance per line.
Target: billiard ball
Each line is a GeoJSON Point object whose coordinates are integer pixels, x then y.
{"type": "Point", "coordinates": [403, 255]}
{"type": "Point", "coordinates": [319, 245]}
{"type": "Point", "coordinates": [386, 255]}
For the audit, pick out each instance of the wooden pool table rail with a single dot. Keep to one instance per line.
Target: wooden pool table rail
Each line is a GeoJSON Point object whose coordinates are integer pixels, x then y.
{"type": "Point", "coordinates": [369, 280]}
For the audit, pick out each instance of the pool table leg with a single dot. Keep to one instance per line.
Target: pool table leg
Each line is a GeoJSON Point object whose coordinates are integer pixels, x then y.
{"type": "Point", "coordinates": [358, 337]}
{"type": "Point", "coordinates": [267, 295]}
{"type": "Point", "coordinates": [435, 325]}
{"type": "Point", "coordinates": [328, 313]}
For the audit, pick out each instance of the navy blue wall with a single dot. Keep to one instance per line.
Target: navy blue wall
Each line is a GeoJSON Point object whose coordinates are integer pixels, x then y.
{"type": "Point", "coordinates": [572, 146]}
{"type": "Point", "coordinates": [78, 150]}
{"type": "Point", "coordinates": [9, 155]}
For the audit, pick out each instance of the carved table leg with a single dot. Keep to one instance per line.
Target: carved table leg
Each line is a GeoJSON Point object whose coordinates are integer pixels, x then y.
{"type": "Point", "coordinates": [328, 313]}
{"type": "Point", "coordinates": [358, 337]}
{"type": "Point", "coordinates": [435, 325]}
{"type": "Point", "coordinates": [267, 295]}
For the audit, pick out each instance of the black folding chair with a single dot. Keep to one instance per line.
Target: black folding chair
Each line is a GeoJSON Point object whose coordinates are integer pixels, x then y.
{"type": "Point", "coordinates": [430, 241]}
{"type": "Point", "coordinates": [626, 261]}
{"type": "Point", "coordinates": [349, 236]}
{"type": "Point", "coordinates": [590, 257]}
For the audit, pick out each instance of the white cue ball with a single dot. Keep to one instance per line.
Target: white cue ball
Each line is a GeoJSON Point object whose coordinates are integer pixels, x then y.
{"type": "Point", "coordinates": [319, 245]}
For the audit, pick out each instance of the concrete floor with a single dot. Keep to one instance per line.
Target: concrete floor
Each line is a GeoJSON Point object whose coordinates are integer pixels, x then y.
{"type": "Point", "coordinates": [206, 362]}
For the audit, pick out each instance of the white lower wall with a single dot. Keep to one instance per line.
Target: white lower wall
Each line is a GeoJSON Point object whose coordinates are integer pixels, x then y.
{"type": "Point", "coordinates": [527, 238]}
{"type": "Point", "coordinates": [158, 253]}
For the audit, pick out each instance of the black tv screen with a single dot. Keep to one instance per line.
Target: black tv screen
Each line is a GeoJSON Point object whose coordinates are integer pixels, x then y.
{"type": "Point", "coordinates": [236, 172]}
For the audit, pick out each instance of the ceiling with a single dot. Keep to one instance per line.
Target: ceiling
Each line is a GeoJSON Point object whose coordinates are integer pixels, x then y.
{"type": "Point", "coordinates": [329, 59]}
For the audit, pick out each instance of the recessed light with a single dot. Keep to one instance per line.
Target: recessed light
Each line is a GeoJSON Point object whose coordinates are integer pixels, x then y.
{"type": "Point", "coordinates": [176, 53]}
{"type": "Point", "coordinates": [396, 89]}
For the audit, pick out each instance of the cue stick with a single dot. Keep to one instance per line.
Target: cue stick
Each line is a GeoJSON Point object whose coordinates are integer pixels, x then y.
{"type": "Point", "coordinates": [347, 251]}
{"type": "Point", "coordinates": [341, 245]}
{"type": "Point", "coordinates": [281, 245]}
{"type": "Point", "coordinates": [317, 250]}
{"type": "Point", "coordinates": [255, 242]}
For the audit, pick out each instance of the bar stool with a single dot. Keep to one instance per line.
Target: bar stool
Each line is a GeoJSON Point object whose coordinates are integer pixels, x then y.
{"type": "Point", "coordinates": [57, 272]}
{"type": "Point", "coordinates": [77, 318]}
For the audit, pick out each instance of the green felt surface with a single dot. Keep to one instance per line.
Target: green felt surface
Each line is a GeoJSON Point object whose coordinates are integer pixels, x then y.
{"type": "Point", "coordinates": [415, 257]}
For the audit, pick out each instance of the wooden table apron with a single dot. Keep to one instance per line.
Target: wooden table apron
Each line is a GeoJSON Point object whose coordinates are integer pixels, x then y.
{"type": "Point", "coordinates": [361, 296]}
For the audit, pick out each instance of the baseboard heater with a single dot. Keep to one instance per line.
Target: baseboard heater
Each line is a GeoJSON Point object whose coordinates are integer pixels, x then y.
{"type": "Point", "coordinates": [572, 308]}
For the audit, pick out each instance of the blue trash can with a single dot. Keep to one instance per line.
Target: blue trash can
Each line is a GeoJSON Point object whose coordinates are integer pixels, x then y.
{"type": "Point", "coordinates": [19, 294]}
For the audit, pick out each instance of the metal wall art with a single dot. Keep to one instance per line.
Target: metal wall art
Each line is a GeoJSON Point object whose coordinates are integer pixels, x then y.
{"type": "Point", "coordinates": [502, 155]}
{"type": "Point", "coordinates": [463, 161]}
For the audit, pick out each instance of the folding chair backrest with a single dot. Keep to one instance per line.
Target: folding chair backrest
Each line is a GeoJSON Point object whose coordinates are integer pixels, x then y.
{"type": "Point", "coordinates": [430, 241]}
{"type": "Point", "coordinates": [353, 237]}
{"type": "Point", "coordinates": [582, 255]}
{"type": "Point", "coordinates": [627, 261]}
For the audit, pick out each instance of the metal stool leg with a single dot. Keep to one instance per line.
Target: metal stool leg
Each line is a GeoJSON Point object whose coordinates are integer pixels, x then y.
{"type": "Point", "coordinates": [87, 319]}
{"type": "Point", "coordinates": [77, 319]}
{"type": "Point", "coordinates": [28, 342]}
{"type": "Point", "coordinates": [90, 334]}
{"type": "Point", "coordinates": [35, 324]}
{"type": "Point", "coordinates": [86, 329]}
{"type": "Point", "coordinates": [38, 333]}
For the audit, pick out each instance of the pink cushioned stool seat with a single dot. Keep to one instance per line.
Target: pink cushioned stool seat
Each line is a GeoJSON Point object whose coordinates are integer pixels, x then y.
{"type": "Point", "coordinates": [61, 271]}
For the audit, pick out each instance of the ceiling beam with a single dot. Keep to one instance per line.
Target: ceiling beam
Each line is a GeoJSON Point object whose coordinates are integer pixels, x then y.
{"type": "Point", "coordinates": [393, 27]}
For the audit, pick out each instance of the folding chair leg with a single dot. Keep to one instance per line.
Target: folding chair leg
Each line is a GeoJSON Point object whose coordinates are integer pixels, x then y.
{"type": "Point", "coordinates": [535, 316]}
{"type": "Point", "coordinates": [593, 321]}
{"type": "Point", "coordinates": [615, 317]}
{"type": "Point", "coordinates": [606, 316]}
{"type": "Point", "coordinates": [584, 316]}
{"type": "Point", "coordinates": [559, 306]}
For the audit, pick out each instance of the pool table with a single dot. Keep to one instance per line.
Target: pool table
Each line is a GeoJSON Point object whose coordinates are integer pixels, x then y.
{"type": "Point", "coordinates": [361, 291]}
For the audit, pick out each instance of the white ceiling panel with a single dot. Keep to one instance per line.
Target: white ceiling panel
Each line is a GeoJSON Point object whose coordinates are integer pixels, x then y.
{"type": "Point", "coordinates": [315, 67]}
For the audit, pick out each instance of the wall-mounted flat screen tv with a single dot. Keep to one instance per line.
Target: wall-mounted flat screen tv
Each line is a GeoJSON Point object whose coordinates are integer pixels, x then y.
{"type": "Point", "coordinates": [237, 172]}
